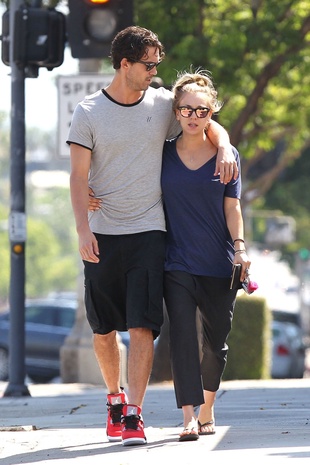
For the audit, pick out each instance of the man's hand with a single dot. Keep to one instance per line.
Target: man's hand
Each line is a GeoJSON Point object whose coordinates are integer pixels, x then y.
{"type": "Point", "coordinates": [226, 165]}
{"type": "Point", "coordinates": [88, 247]}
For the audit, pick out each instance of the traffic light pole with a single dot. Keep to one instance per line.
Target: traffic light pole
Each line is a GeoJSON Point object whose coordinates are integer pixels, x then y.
{"type": "Point", "coordinates": [17, 225]}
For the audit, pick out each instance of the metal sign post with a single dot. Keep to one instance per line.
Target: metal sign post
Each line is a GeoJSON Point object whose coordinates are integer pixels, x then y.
{"type": "Point", "coordinates": [17, 225]}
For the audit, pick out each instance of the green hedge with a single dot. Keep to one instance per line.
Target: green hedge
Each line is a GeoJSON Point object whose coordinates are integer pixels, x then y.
{"type": "Point", "coordinates": [249, 354]}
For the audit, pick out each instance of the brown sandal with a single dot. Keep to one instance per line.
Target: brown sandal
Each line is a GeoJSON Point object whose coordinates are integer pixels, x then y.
{"type": "Point", "coordinates": [205, 433]}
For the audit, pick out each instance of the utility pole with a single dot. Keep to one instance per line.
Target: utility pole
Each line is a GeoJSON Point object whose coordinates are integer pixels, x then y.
{"type": "Point", "coordinates": [34, 37]}
{"type": "Point", "coordinates": [17, 224]}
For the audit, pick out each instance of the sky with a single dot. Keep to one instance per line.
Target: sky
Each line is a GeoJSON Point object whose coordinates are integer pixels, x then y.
{"type": "Point", "coordinates": [40, 93]}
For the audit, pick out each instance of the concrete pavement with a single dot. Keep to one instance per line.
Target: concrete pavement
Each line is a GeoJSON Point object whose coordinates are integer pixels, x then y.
{"type": "Point", "coordinates": [265, 422]}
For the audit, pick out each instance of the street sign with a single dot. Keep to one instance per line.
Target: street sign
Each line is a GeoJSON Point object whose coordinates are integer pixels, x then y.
{"type": "Point", "coordinates": [17, 226]}
{"type": "Point", "coordinates": [71, 90]}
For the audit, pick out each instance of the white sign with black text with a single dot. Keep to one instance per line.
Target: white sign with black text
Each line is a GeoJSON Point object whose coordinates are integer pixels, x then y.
{"type": "Point", "coordinates": [71, 90]}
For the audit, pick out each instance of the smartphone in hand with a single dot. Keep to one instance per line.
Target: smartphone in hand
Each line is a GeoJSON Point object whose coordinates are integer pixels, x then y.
{"type": "Point", "coordinates": [235, 277]}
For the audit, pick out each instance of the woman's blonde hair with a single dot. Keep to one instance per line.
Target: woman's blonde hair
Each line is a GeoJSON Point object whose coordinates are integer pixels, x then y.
{"type": "Point", "coordinates": [197, 81]}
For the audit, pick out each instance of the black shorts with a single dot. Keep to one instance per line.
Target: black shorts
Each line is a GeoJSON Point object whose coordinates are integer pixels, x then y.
{"type": "Point", "coordinates": [125, 289]}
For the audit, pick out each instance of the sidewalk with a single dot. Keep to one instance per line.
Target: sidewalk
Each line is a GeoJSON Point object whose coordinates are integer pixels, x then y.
{"type": "Point", "coordinates": [257, 422]}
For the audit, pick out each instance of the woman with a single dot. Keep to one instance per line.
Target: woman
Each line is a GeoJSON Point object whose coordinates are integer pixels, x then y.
{"type": "Point", "coordinates": [205, 236]}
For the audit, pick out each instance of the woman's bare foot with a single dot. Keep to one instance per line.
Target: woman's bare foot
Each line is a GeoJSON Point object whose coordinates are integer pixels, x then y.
{"type": "Point", "coordinates": [206, 415]}
{"type": "Point", "coordinates": [204, 429]}
{"type": "Point", "coordinates": [190, 431]}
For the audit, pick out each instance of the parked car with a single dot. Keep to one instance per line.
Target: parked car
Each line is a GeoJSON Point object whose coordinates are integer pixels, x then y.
{"type": "Point", "coordinates": [288, 350]}
{"type": "Point", "coordinates": [47, 324]}
{"type": "Point", "coordinates": [287, 316]}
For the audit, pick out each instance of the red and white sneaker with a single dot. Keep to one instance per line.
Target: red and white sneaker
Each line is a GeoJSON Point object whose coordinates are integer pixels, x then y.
{"type": "Point", "coordinates": [132, 426]}
{"type": "Point", "coordinates": [115, 404]}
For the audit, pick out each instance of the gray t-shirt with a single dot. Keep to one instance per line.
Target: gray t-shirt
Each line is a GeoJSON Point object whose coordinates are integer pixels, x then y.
{"type": "Point", "coordinates": [127, 143]}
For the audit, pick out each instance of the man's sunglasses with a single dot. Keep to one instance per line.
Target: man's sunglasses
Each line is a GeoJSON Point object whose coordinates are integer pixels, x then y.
{"type": "Point", "coordinates": [149, 64]}
{"type": "Point", "coordinates": [187, 112]}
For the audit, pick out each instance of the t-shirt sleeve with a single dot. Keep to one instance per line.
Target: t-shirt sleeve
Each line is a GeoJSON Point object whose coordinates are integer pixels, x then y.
{"type": "Point", "coordinates": [80, 129]}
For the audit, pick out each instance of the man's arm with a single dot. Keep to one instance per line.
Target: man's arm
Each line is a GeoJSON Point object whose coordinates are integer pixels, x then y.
{"type": "Point", "coordinates": [226, 165]}
{"type": "Point", "coordinates": [80, 164]}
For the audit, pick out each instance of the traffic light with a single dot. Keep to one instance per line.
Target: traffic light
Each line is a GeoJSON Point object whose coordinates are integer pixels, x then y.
{"type": "Point", "coordinates": [39, 37]}
{"type": "Point", "coordinates": [92, 24]}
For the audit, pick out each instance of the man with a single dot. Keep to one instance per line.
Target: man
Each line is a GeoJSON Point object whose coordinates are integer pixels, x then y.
{"type": "Point", "coordinates": [116, 140]}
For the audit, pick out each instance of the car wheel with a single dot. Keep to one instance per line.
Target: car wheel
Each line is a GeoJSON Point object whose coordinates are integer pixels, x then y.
{"type": "Point", "coordinates": [4, 364]}
{"type": "Point", "coordinates": [39, 379]}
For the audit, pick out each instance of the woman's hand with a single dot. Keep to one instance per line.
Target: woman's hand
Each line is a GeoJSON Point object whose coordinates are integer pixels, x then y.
{"type": "Point", "coordinates": [244, 261]}
{"type": "Point", "coordinates": [93, 203]}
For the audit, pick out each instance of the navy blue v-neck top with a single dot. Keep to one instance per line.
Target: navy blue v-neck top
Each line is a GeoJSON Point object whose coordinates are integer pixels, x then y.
{"type": "Point", "coordinates": [198, 240]}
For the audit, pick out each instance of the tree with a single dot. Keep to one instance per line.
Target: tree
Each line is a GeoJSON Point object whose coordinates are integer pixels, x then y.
{"type": "Point", "coordinates": [290, 194]}
{"type": "Point", "coordinates": [47, 268]}
{"type": "Point", "coordinates": [51, 249]}
{"type": "Point", "coordinates": [258, 53]}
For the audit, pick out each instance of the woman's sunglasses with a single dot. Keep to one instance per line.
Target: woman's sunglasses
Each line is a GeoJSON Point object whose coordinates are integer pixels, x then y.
{"type": "Point", "coordinates": [187, 112]}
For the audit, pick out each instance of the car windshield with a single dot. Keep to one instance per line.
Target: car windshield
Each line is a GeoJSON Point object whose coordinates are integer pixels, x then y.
{"type": "Point", "coordinates": [40, 315]}
{"type": "Point", "coordinates": [66, 317]}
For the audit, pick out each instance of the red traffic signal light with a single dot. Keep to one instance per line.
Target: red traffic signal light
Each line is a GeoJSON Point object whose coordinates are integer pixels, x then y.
{"type": "Point", "coordinates": [92, 24]}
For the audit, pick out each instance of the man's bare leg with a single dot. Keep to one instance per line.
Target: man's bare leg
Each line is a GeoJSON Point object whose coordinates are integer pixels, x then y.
{"type": "Point", "coordinates": [140, 361]}
{"type": "Point", "coordinates": [108, 357]}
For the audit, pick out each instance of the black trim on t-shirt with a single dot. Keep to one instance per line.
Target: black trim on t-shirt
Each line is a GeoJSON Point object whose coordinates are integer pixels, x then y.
{"type": "Point", "coordinates": [76, 143]}
{"type": "Point", "coordinates": [123, 104]}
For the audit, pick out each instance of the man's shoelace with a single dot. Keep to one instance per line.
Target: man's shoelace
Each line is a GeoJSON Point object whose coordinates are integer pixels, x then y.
{"type": "Point", "coordinates": [116, 412]}
{"type": "Point", "coordinates": [131, 422]}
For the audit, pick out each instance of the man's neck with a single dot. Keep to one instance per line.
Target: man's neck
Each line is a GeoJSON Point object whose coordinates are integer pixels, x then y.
{"type": "Point", "coordinates": [121, 93]}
